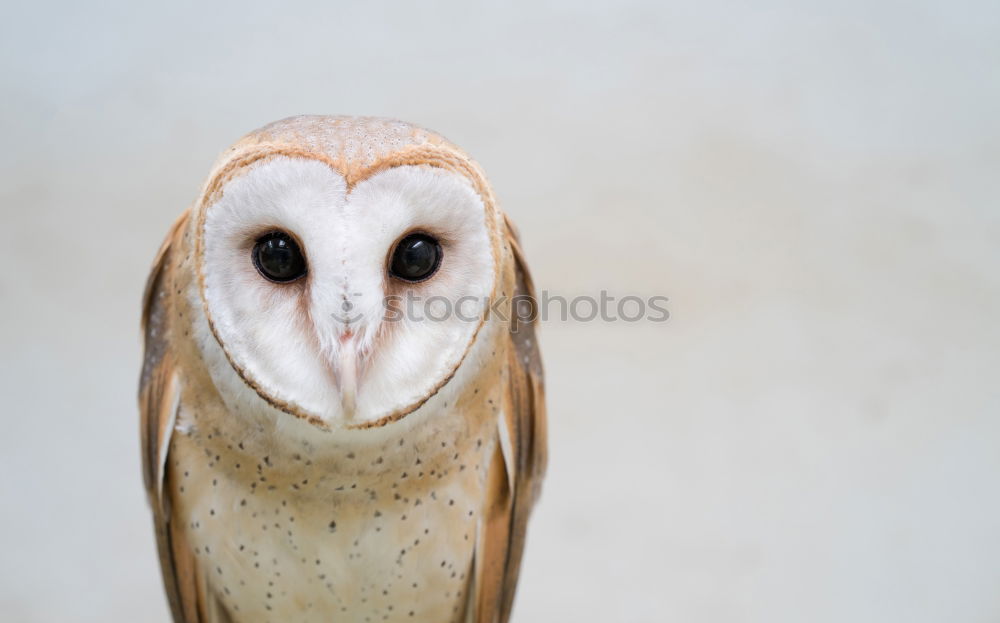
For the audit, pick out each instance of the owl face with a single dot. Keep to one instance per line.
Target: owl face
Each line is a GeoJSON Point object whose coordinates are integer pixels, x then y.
{"type": "Point", "coordinates": [347, 304]}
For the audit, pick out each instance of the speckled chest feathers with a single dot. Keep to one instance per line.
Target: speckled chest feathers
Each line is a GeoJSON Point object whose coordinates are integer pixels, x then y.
{"type": "Point", "coordinates": [374, 531]}
{"type": "Point", "coordinates": [307, 455]}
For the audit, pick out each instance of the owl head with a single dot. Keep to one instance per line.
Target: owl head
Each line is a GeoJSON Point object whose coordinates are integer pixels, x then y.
{"type": "Point", "coordinates": [344, 267]}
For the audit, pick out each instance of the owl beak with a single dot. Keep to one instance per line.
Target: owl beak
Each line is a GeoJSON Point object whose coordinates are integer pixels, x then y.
{"type": "Point", "coordinates": [347, 375]}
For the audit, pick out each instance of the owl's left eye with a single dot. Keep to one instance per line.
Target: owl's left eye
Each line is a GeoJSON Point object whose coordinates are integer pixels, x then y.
{"type": "Point", "coordinates": [278, 257]}
{"type": "Point", "coordinates": [415, 258]}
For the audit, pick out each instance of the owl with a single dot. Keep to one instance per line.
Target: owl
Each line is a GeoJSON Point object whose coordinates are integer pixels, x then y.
{"type": "Point", "coordinates": [341, 418]}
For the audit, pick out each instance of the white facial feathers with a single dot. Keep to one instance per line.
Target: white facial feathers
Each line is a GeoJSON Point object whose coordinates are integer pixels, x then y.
{"type": "Point", "coordinates": [325, 345]}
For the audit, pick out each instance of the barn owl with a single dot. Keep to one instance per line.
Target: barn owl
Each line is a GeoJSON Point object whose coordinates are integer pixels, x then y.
{"type": "Point", "coordinates": [314, 451]}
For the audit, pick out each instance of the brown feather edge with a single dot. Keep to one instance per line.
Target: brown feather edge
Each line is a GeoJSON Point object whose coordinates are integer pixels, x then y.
{"type": "Point", "coordinates": [493, 543]}
{"type": "Point", "coordinates": [508, 511]}
{"type": "Point", "coordinates": [158, 399]}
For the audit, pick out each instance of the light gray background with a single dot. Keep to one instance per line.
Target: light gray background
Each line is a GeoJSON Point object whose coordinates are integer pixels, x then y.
{"type": "Point", "coordinates": [813, 436]}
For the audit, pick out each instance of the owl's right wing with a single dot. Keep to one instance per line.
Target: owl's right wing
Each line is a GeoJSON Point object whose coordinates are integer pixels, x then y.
{"type": "Point", "coordinates": [159, 397]}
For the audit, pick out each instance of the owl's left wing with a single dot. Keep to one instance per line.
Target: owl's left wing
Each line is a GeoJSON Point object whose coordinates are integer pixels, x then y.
{"type": "Point", "coordinates": [517, 467]}
{"type": "Point", "coordinates": [159, 397]}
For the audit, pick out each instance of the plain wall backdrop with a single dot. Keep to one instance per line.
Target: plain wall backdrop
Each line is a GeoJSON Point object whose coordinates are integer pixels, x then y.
{"type": "Point", "coordinates": [813, 436]}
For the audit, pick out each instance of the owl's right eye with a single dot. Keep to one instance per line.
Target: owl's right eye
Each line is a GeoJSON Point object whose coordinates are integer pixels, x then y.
{"type": "Point", "coordinates": [277, 257]}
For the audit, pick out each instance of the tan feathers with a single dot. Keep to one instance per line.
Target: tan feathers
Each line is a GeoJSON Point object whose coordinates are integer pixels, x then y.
{"type": "Point", "coordinates": [261, 513]}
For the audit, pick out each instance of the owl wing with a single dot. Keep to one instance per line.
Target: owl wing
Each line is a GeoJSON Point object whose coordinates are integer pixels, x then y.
{"type": "Point", "coordinates": [159, 398]}
{"type": "Point", "coordinates": [517, 466]}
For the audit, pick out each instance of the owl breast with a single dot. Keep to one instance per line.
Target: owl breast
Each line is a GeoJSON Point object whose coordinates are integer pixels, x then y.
{"type": "Point", "coordinates": [341, 531]}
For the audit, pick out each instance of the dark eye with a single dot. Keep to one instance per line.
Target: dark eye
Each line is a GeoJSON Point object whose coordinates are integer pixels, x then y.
{"type": "Point", "coordinates": [278, 257]}
{"type": "Point", "coordinates": [415, 258]}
